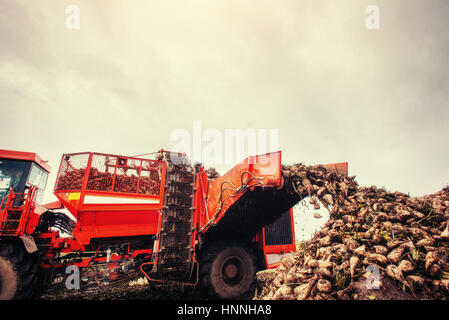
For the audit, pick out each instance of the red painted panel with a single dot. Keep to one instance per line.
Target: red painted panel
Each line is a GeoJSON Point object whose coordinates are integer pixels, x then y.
{"type": "Point", "coordinates": [26, 156]}
{"type": "Point", "coordinates": [104, 224]}
{"type": "Point", "coordinates": [256, 171]}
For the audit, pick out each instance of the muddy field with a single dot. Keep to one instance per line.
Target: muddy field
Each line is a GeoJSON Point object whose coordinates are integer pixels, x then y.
{"type": "Point", "coordinates": [141, 291]}
{"type": "Point", "coordinates": [137, 290]}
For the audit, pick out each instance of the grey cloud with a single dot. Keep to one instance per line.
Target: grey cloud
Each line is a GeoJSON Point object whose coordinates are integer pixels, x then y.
{"type": "Point", "coordinates": [136, 71]}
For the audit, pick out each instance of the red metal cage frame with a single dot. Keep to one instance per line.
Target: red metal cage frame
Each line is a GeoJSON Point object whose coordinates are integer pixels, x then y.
{"type": "Point", "coordinates": [74, 198]}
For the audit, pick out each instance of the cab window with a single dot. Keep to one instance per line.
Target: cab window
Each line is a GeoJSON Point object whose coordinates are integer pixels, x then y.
{"type": "Point", "coordinates": [38, 177]}
{"type": "Point", "coordinates": [11, 172]}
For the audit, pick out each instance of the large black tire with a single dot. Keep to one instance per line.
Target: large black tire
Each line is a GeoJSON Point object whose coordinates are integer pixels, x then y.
{"type": "Point", "coordinates": [227, 272]}
{"type": "Point", "coordinates": [18, 272]}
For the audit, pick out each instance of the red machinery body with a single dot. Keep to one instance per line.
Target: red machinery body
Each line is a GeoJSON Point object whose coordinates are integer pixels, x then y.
{"type": "Point", "coordinates": [115, 196]}
{"type": "Point", "coordinates": [25, 156]}
{"type": "Point", "coordinates": [111, 196]}
{"type": "Point", "coordinates": [22, 175]}
{"type": "Point", "coordinates": [155, 213]}
{"type": "Point", "coordinates": [18, 216]}
{"type": "Point", "coordinates": [255, 171]}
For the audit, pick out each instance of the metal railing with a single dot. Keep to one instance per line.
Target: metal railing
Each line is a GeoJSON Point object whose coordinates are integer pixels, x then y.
{"type": "Point", "coordinates": [16, 211]}
{"type": "Point", "coordinates": [95, 172]}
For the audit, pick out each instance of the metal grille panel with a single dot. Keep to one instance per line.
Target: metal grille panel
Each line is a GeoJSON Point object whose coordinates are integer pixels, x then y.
{"type": "Point", "coordinates": [280, 232]}
{"type": "Point", "coordinates": [110, 173]}
{"type": "Point", "coordinates": [175, 243]}
{"type": "Point", "coordinates": [72, 171]}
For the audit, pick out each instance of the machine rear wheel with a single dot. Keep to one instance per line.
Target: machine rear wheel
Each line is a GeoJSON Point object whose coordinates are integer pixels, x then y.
{"type": "Point", "coordinates": [228, 272]}
{"type": "Point", "coordinates": [18, 272]}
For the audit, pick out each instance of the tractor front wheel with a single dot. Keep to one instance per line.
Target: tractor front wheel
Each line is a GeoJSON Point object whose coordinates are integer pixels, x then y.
{"type": "Point", "coordinates": [227, 272]}
{"type": "Point", "coordinates": [18, 272]}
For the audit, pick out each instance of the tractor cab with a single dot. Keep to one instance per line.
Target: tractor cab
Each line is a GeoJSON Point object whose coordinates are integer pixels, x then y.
{"type": "Point", "coordinates": [21, 170]}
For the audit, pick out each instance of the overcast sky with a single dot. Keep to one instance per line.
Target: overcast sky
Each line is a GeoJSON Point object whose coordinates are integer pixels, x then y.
{"type": "Point", "coordinates": [137, 70]}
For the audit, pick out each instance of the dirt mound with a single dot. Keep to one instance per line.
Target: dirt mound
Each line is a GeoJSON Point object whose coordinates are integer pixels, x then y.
{"type": "Point", "coordinates": [376, 244]}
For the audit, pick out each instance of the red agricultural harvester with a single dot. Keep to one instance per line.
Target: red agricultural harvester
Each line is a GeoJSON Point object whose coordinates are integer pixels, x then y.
{"type": "Point", "coordinates": [163, 218]}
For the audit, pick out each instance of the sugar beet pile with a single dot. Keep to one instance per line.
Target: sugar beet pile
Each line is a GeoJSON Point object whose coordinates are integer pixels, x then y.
{"type": "Point", "coordinates": [404, 238]}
